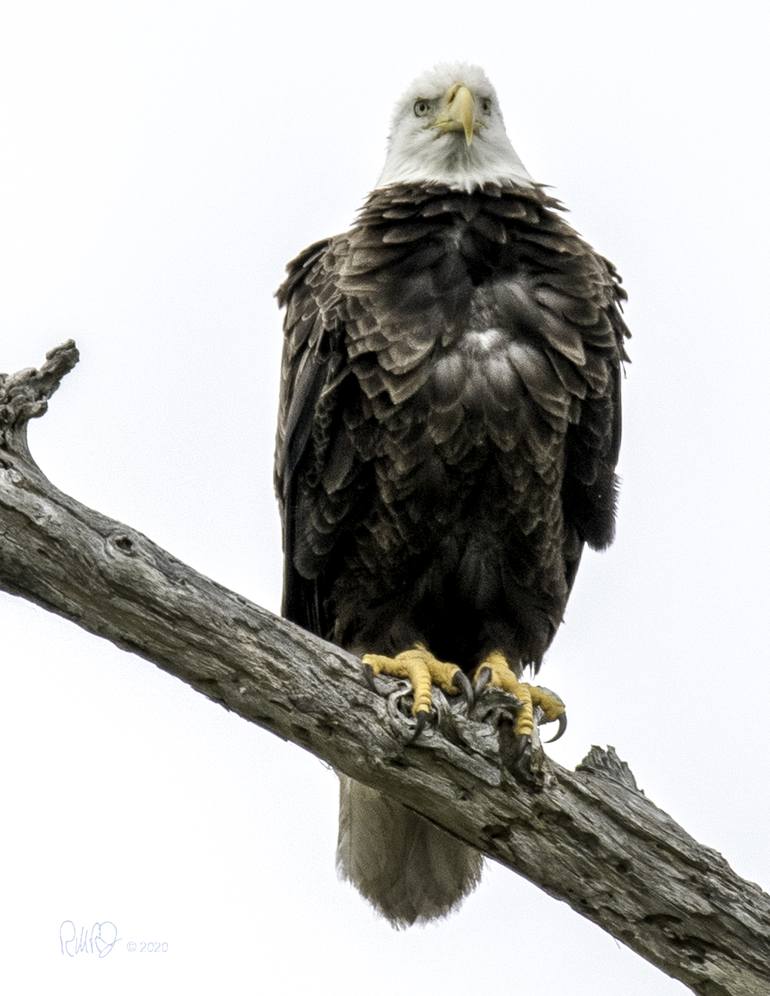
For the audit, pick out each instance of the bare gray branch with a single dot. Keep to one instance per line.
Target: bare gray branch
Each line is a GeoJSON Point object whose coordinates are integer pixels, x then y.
{"type": "Point", "coordinates": [591, 839]}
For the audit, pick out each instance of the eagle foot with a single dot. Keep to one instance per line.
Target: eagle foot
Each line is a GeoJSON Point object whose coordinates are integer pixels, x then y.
{"type": "Point", "coordinates": [423, 672]}
{"type": "Point", "coordinates": [518, 709]}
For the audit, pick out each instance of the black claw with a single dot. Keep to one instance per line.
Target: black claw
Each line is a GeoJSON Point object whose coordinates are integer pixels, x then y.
{"type": "Point", "coordinates": [369, 678]}
{"type": "Point", "coordinates": [516, 753]}
{"type": "Point", "coordinates": [420, 724]}
{"type": "Point", "coordinates": [482, 680]}
{"type": "Point", "coordinates": [561, 729]}
{"type": "Point", "coordinates": [520, 745]}
{"type": "Point", "coordinates": [461, 683]}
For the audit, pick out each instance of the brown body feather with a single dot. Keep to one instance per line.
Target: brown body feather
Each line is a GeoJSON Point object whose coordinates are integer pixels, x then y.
{"type": "Point", "coordinates": [449, 422]}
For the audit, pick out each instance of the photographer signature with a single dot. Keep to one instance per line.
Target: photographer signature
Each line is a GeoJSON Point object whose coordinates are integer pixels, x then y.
{"type": "Point", "coordinates": [98, 939]}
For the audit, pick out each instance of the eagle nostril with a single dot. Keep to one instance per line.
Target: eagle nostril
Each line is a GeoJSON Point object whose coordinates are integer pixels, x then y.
{"type": "Point", "coordinates": [452, 92]}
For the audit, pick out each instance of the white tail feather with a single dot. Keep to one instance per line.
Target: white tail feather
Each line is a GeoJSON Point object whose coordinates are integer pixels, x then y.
{"type": "Point", "coordinates": [408, 869]}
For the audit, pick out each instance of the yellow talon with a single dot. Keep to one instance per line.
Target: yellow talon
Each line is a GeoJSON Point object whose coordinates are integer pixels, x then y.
{"type": "Point", "coordinates": [551, 705]}
{"type": "Point", "coordinates": [423, 671]}
{"type": "Point", "coordinates": [530, 696]}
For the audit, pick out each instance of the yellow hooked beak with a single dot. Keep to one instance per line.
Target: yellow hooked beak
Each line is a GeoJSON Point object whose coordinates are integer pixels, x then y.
{"type": "Point", "coordinates": [458, 112]}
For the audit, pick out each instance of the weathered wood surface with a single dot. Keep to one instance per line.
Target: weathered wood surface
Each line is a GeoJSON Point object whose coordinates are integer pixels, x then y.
{"type": "Point", "coordinates": [590, 838]}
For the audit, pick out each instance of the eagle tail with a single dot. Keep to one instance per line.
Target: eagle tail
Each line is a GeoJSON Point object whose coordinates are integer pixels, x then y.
{"type": "Point", "coordinates": [408, 869]}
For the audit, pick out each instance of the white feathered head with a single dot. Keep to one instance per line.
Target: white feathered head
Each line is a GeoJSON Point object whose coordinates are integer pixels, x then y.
{"type": "Point", "coordinates": [448, 128]}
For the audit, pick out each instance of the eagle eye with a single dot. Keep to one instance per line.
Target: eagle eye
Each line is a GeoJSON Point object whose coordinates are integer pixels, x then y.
{"type": "Point", "coordinates": [421, 108]}
{"type": "Point", "coordinates": [486, 105]}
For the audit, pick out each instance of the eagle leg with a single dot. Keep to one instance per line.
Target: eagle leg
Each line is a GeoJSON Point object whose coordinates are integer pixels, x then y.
{"type": "Point", "coordinates": [533, 704]}
{"type": "Point", "coordinates": [423, 671]}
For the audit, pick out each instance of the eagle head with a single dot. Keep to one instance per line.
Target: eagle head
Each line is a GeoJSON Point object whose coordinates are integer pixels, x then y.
{"type": "Point", "coordinates": [448, 128]}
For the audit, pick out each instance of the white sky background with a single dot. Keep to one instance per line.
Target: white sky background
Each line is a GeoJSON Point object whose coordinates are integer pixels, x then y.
{"type": "Point", "coordinates": [159, 163]}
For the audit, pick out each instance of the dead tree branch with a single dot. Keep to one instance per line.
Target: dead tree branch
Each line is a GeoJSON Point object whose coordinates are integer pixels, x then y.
{"type": "Point", "coordinates": [591, 838]}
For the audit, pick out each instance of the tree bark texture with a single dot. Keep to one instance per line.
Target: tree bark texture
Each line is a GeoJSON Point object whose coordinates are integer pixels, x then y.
{"type": "Point", "coordinates": [590, 838]}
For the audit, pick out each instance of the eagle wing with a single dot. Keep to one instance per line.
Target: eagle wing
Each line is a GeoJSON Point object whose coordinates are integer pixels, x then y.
{"type": "Point", "coordinates": [590, 487]}
{"type": "Point", "coordinates": [312, 444]}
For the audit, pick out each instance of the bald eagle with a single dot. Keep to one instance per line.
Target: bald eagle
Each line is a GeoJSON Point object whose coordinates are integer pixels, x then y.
{"type": "Point", "coordinates": [448, 432]}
